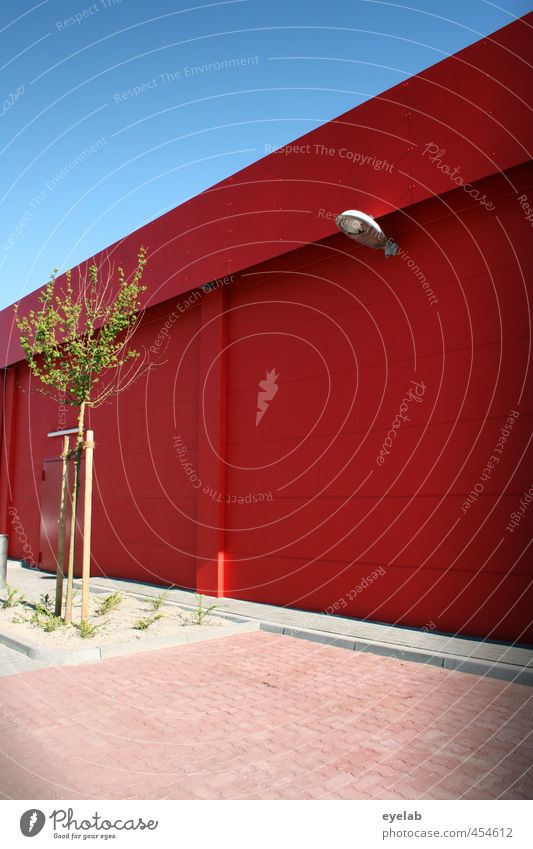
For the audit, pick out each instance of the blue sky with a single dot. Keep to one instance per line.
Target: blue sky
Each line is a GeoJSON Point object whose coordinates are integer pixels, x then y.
{"type": "Point", "coordinates": [115, 111]}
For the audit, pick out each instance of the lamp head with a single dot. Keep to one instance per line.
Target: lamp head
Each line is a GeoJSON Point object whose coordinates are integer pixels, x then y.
{"type": "Point", "coordinates": [364, 229]}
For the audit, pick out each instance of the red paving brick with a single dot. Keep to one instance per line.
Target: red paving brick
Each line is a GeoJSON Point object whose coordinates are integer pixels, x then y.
{"type": "Point", "coordinates": [264, 717]}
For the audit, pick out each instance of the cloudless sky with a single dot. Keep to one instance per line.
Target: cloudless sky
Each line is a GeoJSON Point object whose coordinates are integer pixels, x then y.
{"type": "Point", "coordinates": [85, 159]}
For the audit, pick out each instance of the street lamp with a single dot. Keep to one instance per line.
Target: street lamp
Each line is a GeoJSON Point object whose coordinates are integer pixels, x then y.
{"type": "Point", "coordinates": [364, 229]}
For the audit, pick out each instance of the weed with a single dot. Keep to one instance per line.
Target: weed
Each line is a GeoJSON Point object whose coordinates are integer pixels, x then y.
{"type": "Point", "coordinates": [87, 629]}
{"type": "Point", "coordinates": [45, 609]}
{"type": "Point", "coordinates": [109, 603]}
{"type": "Point", "coordinates": [158, 601]}
{"type": "Point", "coordinates": [200, 613]}
{"type": "Point", "coordinates": [41, 618]}
{"type": "Point", "coordinates": [46, 602]}
{"type": "Point", "coordinates": [143, 624]}
{"type": "Point", "coordinates": [40, 610]}
{"type": "Point", "coordinates": [13, 597]}
{"type": "Point", "coordinates": [52, 623]}
{"type": "Point", "coordinates": [35, 619]}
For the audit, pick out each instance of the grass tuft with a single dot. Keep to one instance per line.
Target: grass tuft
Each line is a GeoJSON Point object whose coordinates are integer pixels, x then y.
{"type": "Point", "coordinates": [110, 602]}
{"type": "Point", "coordinates": [42, 618]}
{"type": "Point", "coordinates": [201, 612]}
{"type": "Point", "coordinates": [145, 623]}
{"type": "Point", "coordinates": [46, 602]}
{"type": "Point", "coordinates": [52, 624]}
{"type": "Point", "coordinates": [13, 597]}
{"type": "Point", "coordinates": [159, 600]}
{"type": "Point", "coordinates": [87, 630]}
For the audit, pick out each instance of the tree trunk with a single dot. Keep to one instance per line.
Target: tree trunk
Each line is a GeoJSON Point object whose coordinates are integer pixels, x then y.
{"type": "Point", "coordinates": [74, 505]}
{"type": "Point", "coordinates": [87, 516]}
{"type": "Point", "coordinates": [61, 533]}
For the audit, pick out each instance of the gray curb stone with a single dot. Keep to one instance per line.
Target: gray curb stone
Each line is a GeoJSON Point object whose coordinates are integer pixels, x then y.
{"type": "Point", "coordinates": [57, 657]}
{"type": "Point", "coordinates": [63, 657]}
{"type": "Point", "coordinates": [473, 666]}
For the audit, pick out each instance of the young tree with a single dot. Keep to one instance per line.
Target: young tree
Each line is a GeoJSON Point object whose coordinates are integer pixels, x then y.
{"type": "Point", "coordinates": [79, 346]}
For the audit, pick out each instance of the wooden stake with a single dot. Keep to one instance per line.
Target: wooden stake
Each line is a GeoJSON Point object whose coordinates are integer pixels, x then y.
{"type": "Point", "coordinates": [87, 516]}
{"type": "Point", "coordinates": [61, 531]}
{"type": "Point", "coordinates": [72, 541]}
{"type": "Point", "coordinates": [77, 452]}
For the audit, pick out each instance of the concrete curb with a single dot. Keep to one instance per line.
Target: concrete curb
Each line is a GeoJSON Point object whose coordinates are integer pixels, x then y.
{"type": "Point", "coordinates": [56, 657]}
{"type": "Point", "coordinates": [64, 657]}
{"type": "Point", "coordinates": [470, 665]}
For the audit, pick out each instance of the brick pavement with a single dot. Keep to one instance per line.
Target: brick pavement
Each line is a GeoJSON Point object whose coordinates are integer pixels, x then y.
{"type": "Point", "coordinates": [263, 716]}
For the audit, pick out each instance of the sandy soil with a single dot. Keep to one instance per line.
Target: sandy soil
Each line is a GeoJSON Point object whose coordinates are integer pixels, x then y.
{"type": "Point", "coordinates": [116, 626]}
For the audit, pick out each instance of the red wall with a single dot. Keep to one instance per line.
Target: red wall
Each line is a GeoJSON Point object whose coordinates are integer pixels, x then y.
{"type": "Point", "coordinates": [347, 330]}
{"type": "Point", "coordinates": [357, 330]}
